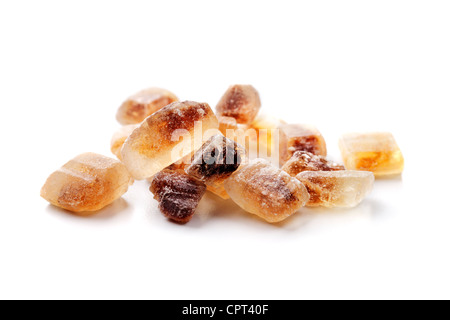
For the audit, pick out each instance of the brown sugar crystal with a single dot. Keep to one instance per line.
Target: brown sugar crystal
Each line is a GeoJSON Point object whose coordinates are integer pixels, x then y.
{"type": "Point", "coordinates": [298, 137]}
{"type": "Point", "coordinates": [143, 104]}
{"type": "Point", "coordinates": [87, 183]}
{"type": "Point", "coordinates": [215, 162]}
{"type": "Point", "coordinates": [178, 194]}
{"type": "Point", "coordinates": [266, 191]}
{"type": "Point", "coordinates": [241, 102]}
{"type": "Point", "coordinates": [167, 136]}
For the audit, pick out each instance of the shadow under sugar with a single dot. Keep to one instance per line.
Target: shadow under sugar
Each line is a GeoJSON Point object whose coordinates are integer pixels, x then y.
{"type": "Point", "coordinates": [119, 206]}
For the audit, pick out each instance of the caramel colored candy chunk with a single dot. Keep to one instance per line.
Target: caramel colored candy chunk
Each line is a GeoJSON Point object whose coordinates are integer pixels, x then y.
{"type": "Point", "coordinates": [241, 102]}
{"type": "Point", "coordinates": [167, 136]}
{"type": "Point", "coordinates": [143, 104]}
{"type": "Point", "coordinates": [215, 162]}
{"type": "Point", "coordinates": [336, 188]}
{"type": "Point", "coordinates": [266, 191]}
{"type": "Point", "coordinates": [119, 138]}
{"type": "Point", "coordinates": [87, 183]}
{"type": "Point", "coordinates": [375, 152]}
{"type": "Point", "coordinates": [178, 194]}
{"type": "Point", "coordinates": [298, 137]}
{"type": "Point", "coordinates": [306, 161]}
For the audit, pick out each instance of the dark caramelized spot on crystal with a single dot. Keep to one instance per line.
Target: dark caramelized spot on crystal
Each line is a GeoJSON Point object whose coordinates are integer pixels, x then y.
{"type": "Point", "coordinates": [307, 143]}
{"type": "Point", "coordinates": [178, 116]}
{"type": "Point", "coordinates": [178, 194]}
{"type": "Point", "coordinates": [307, 161]}
{"type": "Point", "coordinates": [218, 158]}
{"type": "Point", "coordinates": [319, 188]}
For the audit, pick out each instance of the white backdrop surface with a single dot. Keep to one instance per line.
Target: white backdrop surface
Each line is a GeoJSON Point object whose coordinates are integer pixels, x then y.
{"type": "Point", "coordinates": [65, 67]}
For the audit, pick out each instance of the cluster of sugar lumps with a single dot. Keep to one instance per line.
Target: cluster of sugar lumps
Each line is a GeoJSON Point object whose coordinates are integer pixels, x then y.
{"type": "Point", "coordinates": [185, 149]}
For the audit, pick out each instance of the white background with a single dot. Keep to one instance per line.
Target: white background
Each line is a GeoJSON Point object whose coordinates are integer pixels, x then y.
{"type": "Point", "coordinates": [344, 66]}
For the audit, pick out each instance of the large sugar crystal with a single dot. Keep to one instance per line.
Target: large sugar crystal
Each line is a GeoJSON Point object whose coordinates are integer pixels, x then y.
{"type": "Point", "coordinates": [336, 188]}
{"type": "Point", "coordinates": [215, 162]}
{"type": "Point", "coordinates": [306, 161]}
{"type": "Point", "coordinates": [87, 183]}
{"type": "Point", "coordinates": [266, 191]}
{"type": "Point", "coordinates": [167, 136]}
{"type": "Point", "coordinates": [178, 194]}
{"type": "Point", "coordinates": [376, 152]}
{"type": "Point", "coordinates": [119, 138]}
{"type": "Point", "coordinates": [241, 102]}
{"type": "Point", "coordinates": [143, 104]}
{"type": "Point", "coordinates": [299, 137]}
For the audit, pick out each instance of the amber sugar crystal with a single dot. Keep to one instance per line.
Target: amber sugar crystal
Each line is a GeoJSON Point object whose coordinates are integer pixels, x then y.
{"type": "Point", "coordinates": [266, 191]}
{"type": "Point", "coordinates": [215, 162]}
{"type": "Point", "coordinates": [376, 152]}
{"type": "Point", "coordinates": [87, 183]}
{"type": "Point", "coordinates": [178, 194]}
{"type": "Point", "coordinates": [142, 104]}
{"type": "Point", "coordinates": [306, 161]}
{"type": "Point", "coordinates": [241, 102]}
{"type": "Point", "coordinates": [300, 137]}
{"type": "Point", "coordinates": [167, 136]}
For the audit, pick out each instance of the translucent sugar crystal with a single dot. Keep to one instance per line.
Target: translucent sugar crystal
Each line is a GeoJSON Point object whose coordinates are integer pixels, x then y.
{"type": "Point", "coordinates": [299, 137]}
{"type": "Point", "coordinates": [178, 194]}
{"type": "Point", "coordinates": [142, 104]}
{"type": "Point", "coordinates": [375, 152]}
{"type": "Point", "coordinates": [265, 127]}
{"type": "Point", "coordinates": [336, 188]}
{"type": "Point", "coordinates": [306, 161]}
{"type": "Point", "coordinates": [89, 182]}
{"type": "Point", "coordinates": [241, 102]}
{"type": "Point", "coordinates": [266, 191]}
{"type": "Point", "coordinates": [215, 162]}
{"type": "Point", "coordinates": [167, 136]}
{"type": "Point", "coordinates": [119, 138]}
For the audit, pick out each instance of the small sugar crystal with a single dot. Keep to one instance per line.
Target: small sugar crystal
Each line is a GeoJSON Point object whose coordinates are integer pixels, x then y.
{"type": "Point", "coordinates": [143, 104]}
{"type": "Point", "coordinates": [266, 191]}
{"type": "Point", "coordinates": [241, 102]}
{"type": "Point", "coordinates": [215, 162]}
{"type": "Point", "coordinates": [298, 137]}
{"type": "Point", "coordinates": [178, 194]}
{"type": "Point", "coordinates": [375, 152]}
{"type": "Point", "coordinates": [336, 188]}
